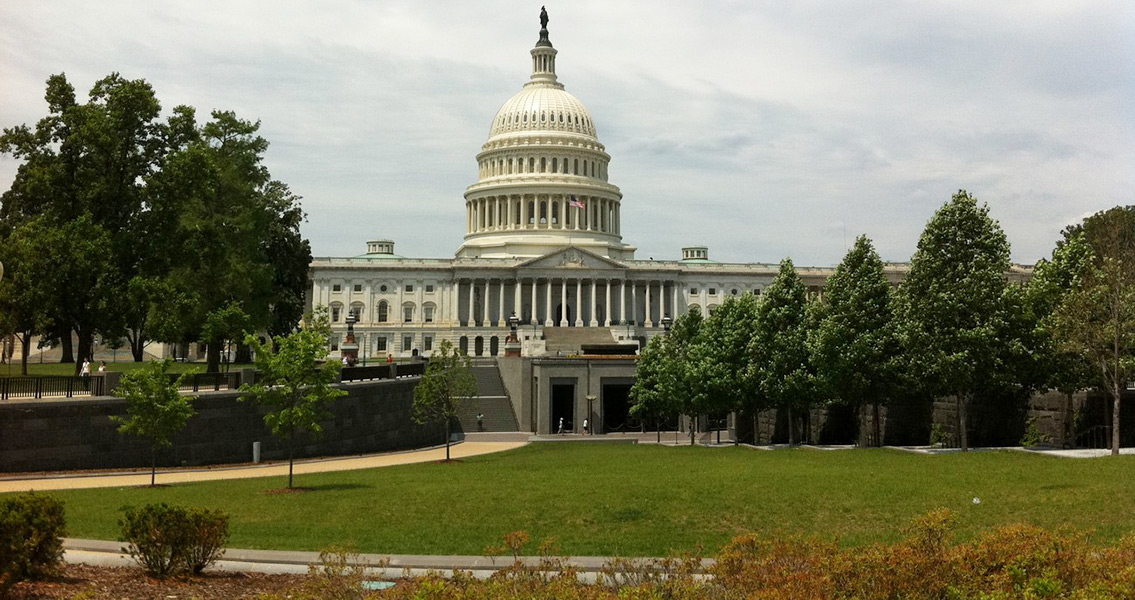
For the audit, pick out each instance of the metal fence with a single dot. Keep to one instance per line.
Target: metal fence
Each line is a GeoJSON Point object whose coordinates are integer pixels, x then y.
{"type": "Point", "coordinates": [385, 371]}
{"type": "Point", "coordinates": [49, 386]}
{"type": "Point", "coordinates": [196, 382]}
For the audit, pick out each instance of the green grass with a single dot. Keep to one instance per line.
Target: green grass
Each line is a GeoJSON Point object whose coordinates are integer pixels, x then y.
{"type": "Point", "coordinates": [645, 500]}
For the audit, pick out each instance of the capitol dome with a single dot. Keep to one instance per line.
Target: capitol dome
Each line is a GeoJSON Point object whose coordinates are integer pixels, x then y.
{"type": "Point", "coordinates": [542, 176]}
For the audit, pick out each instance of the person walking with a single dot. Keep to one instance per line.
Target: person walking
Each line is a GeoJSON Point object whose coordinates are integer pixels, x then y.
{"type": "Point", "coordinates": [85, 374]}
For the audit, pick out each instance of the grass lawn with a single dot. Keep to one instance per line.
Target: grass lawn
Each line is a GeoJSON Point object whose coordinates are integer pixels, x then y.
{"type": "Point", "coordinates": [645, 500]}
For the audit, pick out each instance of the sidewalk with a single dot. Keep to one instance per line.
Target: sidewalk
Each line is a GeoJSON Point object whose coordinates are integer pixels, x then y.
{"type": "Point", "coordinates": [71, 481]}
{"type": "Point", "coordinates": [105, 553]}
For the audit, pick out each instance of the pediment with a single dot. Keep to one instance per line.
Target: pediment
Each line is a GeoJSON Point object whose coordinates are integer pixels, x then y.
{"type": "Point", "coordinates": [572, 258]}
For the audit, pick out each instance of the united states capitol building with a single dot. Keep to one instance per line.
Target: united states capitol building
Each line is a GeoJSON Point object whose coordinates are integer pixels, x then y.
{"type": "Point", "coordinates": [543, 242]}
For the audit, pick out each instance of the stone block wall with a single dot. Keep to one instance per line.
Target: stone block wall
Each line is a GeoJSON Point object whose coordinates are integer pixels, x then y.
{"type": "Point", "coordinates": [78, 434]}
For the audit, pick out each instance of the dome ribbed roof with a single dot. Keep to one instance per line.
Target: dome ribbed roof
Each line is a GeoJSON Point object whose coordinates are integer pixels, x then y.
{"type": "Point", "coordinates": [543, 107]}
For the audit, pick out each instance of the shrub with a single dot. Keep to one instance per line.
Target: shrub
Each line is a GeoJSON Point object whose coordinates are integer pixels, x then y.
{"type": "Point", "coordinates": [31, 537]}
{"type": "Point", "coordinates": [168, 540]}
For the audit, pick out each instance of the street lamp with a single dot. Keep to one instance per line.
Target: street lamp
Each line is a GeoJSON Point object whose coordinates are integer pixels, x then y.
{"type": "Point", "coordinates": [666, 323]}
{"type": "Point", "coordinates": [512, 343]}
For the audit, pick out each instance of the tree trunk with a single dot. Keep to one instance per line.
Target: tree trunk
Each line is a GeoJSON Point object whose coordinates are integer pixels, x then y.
{"type": "Point", "coordinates": [153, 465]}
{"type": "Point", "coordinates": [658, 429]}
{"type": "Point", "coordinates": [291, 458]}
{"type": "Point", "coordinates": [447, 425]}
{"type": "Point", "coordinates": [213, 357]}
{"type": "Point", "coordinates": [243, 353]}
{"type": "Point", "coordinates": [25, 347]}
{"type": "Point", "coordinates": [693, 424]}
{"type": "Point", "coordinates": [68, 354]}
{"type": "Point", "coordinates": [86, 346]}
{"type": "Point", "coordinates": [1069, 423]}
{"type": "Point", "coordinates": [137, 348]}
{"type": "Point", "coordinates": [791, 429]}
{"type": "Point", "coordinates": [963, 435]}
{"type": "Point", "coordinates": [1115, 397]}
{"type": "Point", "coordinates": [878, 428]}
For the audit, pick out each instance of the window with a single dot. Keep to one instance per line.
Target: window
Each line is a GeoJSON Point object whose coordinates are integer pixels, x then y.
{"type": "Point", "coordinates": [382, 288]}
{"type": "Point", "coordinates": [383, 312]}
{"type": "Point", "coordinates": [357, 311]}
{"type": "Point", "coordinates": [428, 343]}
{"type": "Point", "coordinates": [429, 289]}
{"type": "Point", "coordinates": [358, 287]}
{"type": "Point", "coordinates": [428, 313]}
{"type": "Point", "coordinates": [336, 288]}
{"type": "Point", "coordinates": [407, 343]}
{"type": "Point", "coordinates": [734, 291]}
{"type": "Point", "coordinates": [380, 344]}
{"type": "Point", "coordinates": [409, 288]}
{"type": "Point", "coordinates": [712, 291]}
{"type": "Point", "coordinates": [335, 313]}
{"type": "Point", "coordinates": [693, 291]}
{"type": "Point", "coordinates": [334, 343]}
{"type": "Point", "coordinates": [407, 312]}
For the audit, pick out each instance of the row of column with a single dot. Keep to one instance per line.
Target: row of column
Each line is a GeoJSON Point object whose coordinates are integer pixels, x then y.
{"type": "Point", "coordinates": [505, 213]}
{"type": "Point", "coordinates": [566, 302]}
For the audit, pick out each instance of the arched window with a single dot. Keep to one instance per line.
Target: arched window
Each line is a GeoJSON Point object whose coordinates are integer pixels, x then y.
{"type": "Point", "coordinates": [428, 310]}
{"type": "Point", "coordinates": [357, 311]}
{"type": "Point", "coordinates": [555, 164]}
{"type": "Point", "coordinates": [408, 312]}
{"type": "Point", "coordinates": [555, 212]}
{"type": "Point", "coordinates": [693, 308]}
{"type": "Point", "coordinates": [543, 211]}
{"type": "Point", "coordinates": [336, 311]}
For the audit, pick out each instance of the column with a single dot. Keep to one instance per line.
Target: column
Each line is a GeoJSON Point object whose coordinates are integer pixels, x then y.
{"type": "Point", "coordinates": [485, 305]}
{"type": "Point", "coordinates": [534, 315]}
{"type": "Point", "coordinates": [634, 301]}
{"type": "Point", "coordinates": [501, 317]}
{"type": "Point", "coordinates": [623, 301]}
{"type": "Point", "coordinates": [579, 303]}
{"type": "Point", "coordinates": [607, 305]}
{"type": "Point", "coordinates": [563, 303]}
{"type": "Point", "coordinates": [646, 294]}
{"type": "Point", "coordinates": [673, 299]}
{"type": "Point", "coordinates": [516, 306]}
{"type": "Point", "coordinates": [471, 319]}
{"type": "Point", "coordinates": [594, 319]}
{"type": "Point", "coordinates": [548, 304]}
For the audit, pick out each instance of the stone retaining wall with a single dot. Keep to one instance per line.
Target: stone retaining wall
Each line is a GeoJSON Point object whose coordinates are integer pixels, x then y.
{"type": "Point", "coordinates": [78, 434]}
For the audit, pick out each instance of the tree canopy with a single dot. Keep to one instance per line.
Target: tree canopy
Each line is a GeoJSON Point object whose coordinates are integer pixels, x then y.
{"type": "Point", "coordinates": [446, 385]}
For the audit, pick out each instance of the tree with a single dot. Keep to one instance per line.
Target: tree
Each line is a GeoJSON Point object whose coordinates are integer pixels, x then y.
{"type": "Point", "coordinates": [666, 380]}
{"type": "Point", "coordinates": [447, 383]}
{"type": "Point", "coordinates": [953, 310]}
{"type": "Point", "coordinates": [156, 409]}
{"type": "Point", "coordinates": [783, 369]}
{"type": "Point", "coordinates": [294, 382]}
{"type": "Point", "coordinates": [855, 346]}
{"type": "Point", "coordinates": [721, 359]}
{"type": "Point", "coordinates": [1096, 317]}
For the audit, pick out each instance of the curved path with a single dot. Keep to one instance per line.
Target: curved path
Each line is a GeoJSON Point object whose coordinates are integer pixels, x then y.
{"type": "Point", "coordinates": [70, 481]}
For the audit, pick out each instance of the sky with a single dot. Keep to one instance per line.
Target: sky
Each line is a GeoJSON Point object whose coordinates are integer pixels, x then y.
{"type": "Point", "coordinates": [761, 129]}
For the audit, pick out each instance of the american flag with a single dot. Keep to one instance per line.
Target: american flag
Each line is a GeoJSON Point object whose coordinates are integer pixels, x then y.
{"type": "Point", "coordinates": [576, 203]}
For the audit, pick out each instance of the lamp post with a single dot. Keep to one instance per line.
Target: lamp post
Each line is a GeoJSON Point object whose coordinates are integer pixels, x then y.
{"type": "Point", "coordinates": [666, 323]}
{"type": "Point", "coordinates": [512, 342]}
{"type": "Point", "coordinates": [350, 347]}
{"type": "Point", "coordinates": [589, 422]}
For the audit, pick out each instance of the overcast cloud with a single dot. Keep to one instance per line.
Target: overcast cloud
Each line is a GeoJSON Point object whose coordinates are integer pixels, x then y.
{"type": "Point", "coordinates": [760, 129]}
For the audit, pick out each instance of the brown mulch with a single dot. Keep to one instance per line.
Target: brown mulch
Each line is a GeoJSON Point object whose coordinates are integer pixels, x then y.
{"type": "Point", "coordinates": [131, 583]}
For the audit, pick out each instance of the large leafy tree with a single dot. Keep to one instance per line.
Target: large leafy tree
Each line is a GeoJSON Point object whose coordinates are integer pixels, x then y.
{"type": "Point", "coordinates": [155, 408]}
{"type": "Point", "coordinates": [1095, 319]}
{"type": "Point", "coordinates": [779, 347]}
{"type": "Point", "coordinates": [721, 359]}
{"type": "Point", "coordinates": [447, 383]}
{"type": "Point", "coordinates": [953, 309]}
{"type": "Point", "coordinates": [295, 382]}
{"type": "Point", "coordinates": [86, 164]}
{"type": "Point", "coordinates": [855, 346]}
{"type": "Point", "coordinates": [667, 380]}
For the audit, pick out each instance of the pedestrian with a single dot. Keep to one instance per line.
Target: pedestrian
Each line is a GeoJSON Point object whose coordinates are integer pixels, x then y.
{"type": "Point", "coordinates": [346, 361]}
{"type": "Point", "coordinates": [480, 421]}
{"type": "Point", "coordinates": [85, 373]}
{"type": "Point", "coordinates": [102, 367]}
{"type": "Point", "coordinates": [389, 358]}
{"type": "Point", "coordinates": [585, 427]}
{"type": "Point", "coordinates": [561, 430]}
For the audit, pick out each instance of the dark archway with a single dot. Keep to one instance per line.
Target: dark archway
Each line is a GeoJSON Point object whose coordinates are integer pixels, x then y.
{"type": "Point", "coordinates": [563, 407]}
{"type": "Point", "coordinates": [478, 346]}
{"type": "Point", "coordinates": [494, 345]}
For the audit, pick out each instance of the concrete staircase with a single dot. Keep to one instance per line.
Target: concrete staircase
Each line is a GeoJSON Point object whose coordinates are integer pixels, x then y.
{"type": "Point", "coordinates": [491, 400]}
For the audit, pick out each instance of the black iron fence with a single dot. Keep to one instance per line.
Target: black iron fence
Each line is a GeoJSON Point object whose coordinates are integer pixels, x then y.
{"type": "Point", "coordinates": [196, 382]}
{"type": "Point", "coordinates": [50, 386]}
{"type": "Point", "coordinates": [384, 371]}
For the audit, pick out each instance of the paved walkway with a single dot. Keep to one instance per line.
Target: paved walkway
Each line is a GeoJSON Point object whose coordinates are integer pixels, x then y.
{"type": "Point", "coordinates": [484, 444]}
{"type": "Point", "coordinates": [105, 553]}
